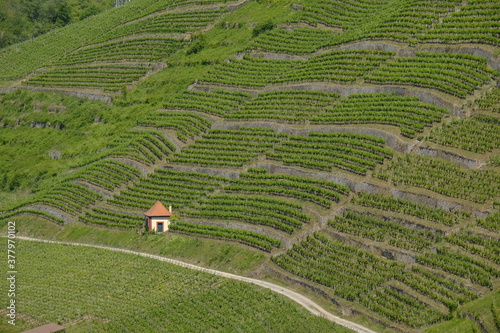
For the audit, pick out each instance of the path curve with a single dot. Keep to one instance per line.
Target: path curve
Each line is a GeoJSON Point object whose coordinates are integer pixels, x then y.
{"type": "Point", "coordinates": [302, 300]}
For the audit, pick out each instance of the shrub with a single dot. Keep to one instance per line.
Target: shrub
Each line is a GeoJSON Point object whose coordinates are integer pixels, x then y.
{"type": "Point", "coordinates": [197, 45]}
{"type": "Point", "coordinates": [262, 27]}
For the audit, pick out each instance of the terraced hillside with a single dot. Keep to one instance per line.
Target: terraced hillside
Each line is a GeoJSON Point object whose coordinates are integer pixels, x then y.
{"type": "Point", "coordinates": [352, 146]}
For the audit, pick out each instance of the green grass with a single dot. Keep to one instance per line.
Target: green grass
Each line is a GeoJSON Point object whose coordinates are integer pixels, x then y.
{"type": "Point", "coordinates": [221, 42]}
{"type": "Point", "coordinates": [124, 292]}
{"type": "Point", "coordinates": [205, 252]}
{"type": "Point", "coordinates": [24, 58]}
{"type": "Point", "coordinates": [484, 312]}
{"type": "Point", "coordinates": [27, 148]}
{"type": "Point", "coordinates": [155, 89]}
{"type": "Point", "coordinates": [456, 325]}
{"type": "Point", "coordinates": [26, 168]}
{"type": "Point", "coordinates": [26, 163]}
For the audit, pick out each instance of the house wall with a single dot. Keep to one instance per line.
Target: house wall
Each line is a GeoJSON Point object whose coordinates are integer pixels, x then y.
{"type": "Point", "coordinates": [155, 220]}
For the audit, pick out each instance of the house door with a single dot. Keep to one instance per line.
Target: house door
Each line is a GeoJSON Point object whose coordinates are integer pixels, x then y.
{"type": "Point", "coordinates": [160, 226]}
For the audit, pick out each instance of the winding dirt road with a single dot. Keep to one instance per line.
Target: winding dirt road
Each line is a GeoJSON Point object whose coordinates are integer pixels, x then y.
{"type": "Point", "coordinates": [302, 300]}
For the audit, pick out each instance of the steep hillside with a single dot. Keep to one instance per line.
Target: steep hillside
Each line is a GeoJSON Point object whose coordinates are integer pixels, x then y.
{"type": "Point", "coordinates": [353, 147]}
{"type": "Point", "coordinates": [158, 306]}
{"type": "Point", "coordinates": [25, 19]}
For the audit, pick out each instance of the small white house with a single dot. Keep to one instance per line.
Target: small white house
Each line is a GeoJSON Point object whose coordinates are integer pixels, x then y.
{"type": "Point", "coordinates": [158, 217]}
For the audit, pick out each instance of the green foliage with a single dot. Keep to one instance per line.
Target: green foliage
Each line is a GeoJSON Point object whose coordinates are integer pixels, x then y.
{"type": "Point", "coordinates": [274, 213]}
{"type": "Point", "coordinates": [284, 106]}
{"type": "Point", "coordinates": [382, 229]}
{"type": "Point", "coordinates": [479, 134]}
{"type": "Point", "coordinates": [110, 218]}
{"type": "Point", "coordinates": [339, 66]}
{"type": "Point", "coordinates": [410, 208]}
{"type": "Point", "coordinates": [262, 27]}
{"type": "Point", "coordinates": [355, 153]}
{"type": "Point", "coordinates": [246, 237]}
{"type": "Point", "coordinates": [197, 45]}
{"type": "Point", "coordinates": [407, 112]}
{"type": "Point", "coordinates": [35, 124]}
{"type": "Point", "coordinates": [461, 265]}
{"type": "Point", "coordinates": [480, 314]}
{"type": "Point", "coordinates": [486, 247]}
{"type": "Point", "coordinates": [109, 77]}
{"type": "Point", "coordinates": [111, 275]}
{"type": "Point", "coordinates": [446, 178]}
{"type": "Point", "coordinates": [217, 102]}
{"type": "Point", "coordinates": [165, 23]}
{"type": "Point", "coordinates": [298, 41]}
{"type": "Point", "coordinates": [494, 160]}
{"type": "Point", "coordinates": [491, 222]}
{"type": "Point", "coordinates": [25, 19]}
{"type": "Point", "coordinates": [453, 73]}
{"type": "Point", "coordinates": [173, 187]}
{"type": "Point", "coordinates": [31, 212]}
{"type": "Point", "coordinates": [107, 174]}
{"type": "Point", "coordinates": [227, 148]}
{"type": "Point", "coordinates": [490, 101]}
{"type": "Point", "coordinates": [410, 22]}
{"type": "Point", "coordinates": [252, 72]}
{"type": "Point", "coordinates": [320, 192]}
{"type": "Point", "coordinates": [18, 61]}
{"type": "Point", "coordinates": [338, 14]}
{"type": "Point", "coordinates": [123, 49]}
{"type": "Point", "coordinates": [149, 49]}
{"type": "Point", "coordinates": [357, 275]}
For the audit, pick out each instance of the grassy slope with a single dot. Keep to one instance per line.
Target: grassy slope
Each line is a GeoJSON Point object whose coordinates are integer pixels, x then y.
{"type": "Point", "coordinates": [474, 316]}
{"type": "Point", "coordinates": [24, 20]}
{"type": "Point", "coordinates": [210, 253]}
{"type": "Point", "coordinates": [22, 59]}
{"type": "Point", "coordinates": [28, 157]}
{"type": "Point", "coordinates": [163, 301]}
{"type": "Point", "coordinates": [88, 128]}
{"type": "Point", "coordinates": [83, 137]}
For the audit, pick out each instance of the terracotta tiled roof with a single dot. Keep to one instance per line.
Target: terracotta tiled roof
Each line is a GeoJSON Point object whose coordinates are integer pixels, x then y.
{"type": "Point", "coordinates": [158, 210]}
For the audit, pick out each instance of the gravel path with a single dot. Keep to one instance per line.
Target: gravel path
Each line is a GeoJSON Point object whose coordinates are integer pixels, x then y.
{"type": "Point", "coordinates": [302, 300]}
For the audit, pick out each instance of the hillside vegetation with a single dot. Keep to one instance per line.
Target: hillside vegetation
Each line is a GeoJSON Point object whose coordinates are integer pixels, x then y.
{"type": "Point", "coordinates": [111, 274]}
{"type": "Point", "coordinates": [25, 19]}
{"type": "Point", "coordinates": [353, 146]}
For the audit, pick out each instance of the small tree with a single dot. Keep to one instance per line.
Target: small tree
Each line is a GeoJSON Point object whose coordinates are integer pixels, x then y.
{"type": "Point", "coordinates": [262, 27]}
{"type": "Point", "coordinates": [197, 45]}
